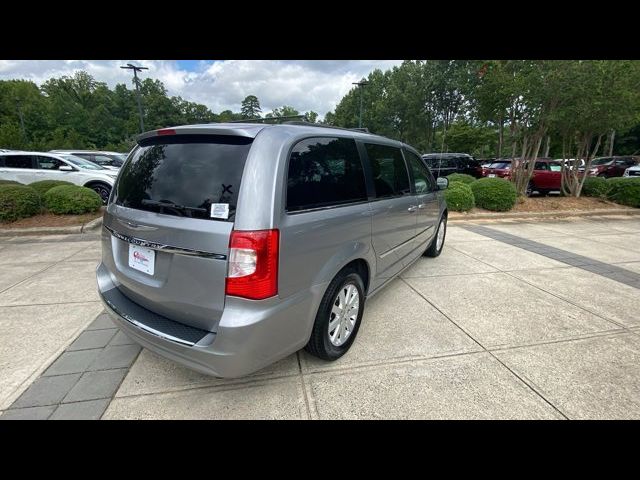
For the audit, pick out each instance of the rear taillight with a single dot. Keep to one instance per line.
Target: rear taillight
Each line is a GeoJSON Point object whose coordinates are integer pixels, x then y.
{"type": "Point", "coordinates": [166, 131]}
{"type": "Point", "coordinates": [253, 264]}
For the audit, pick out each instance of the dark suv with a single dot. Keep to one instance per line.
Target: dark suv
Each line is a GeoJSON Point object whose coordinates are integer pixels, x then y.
{"type": "Point", "coordinates": [443, 164]}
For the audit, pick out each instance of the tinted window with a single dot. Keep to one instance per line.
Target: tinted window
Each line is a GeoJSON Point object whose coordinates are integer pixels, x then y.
{"type": "Point", "coordinates": [102, 160]}
{"type": "Point", "coordinates": [541, 166]}
{"type": "Point", "coordinates": [49, 163]}
{"type": "Point", "coordinates": [390, 176]}
{"type": "Point", "coordinates": [421, 175]}
{"type": "Point", "coordinates": [184, 175]}
{"type": "Point", "coordinates": [86, 156]}
{"type": "Point", "coordinates": [324, 172]}
{"type": "Point", "coordinates": [18, 161]}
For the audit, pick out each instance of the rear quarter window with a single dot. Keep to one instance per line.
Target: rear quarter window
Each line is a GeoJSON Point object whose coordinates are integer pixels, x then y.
{"type": "Point", "coordinates": [323, 172]}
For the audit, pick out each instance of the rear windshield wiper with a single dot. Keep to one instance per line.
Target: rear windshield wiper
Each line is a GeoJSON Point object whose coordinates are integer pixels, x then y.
{"type": "Point", "coordinates": [156, 203]}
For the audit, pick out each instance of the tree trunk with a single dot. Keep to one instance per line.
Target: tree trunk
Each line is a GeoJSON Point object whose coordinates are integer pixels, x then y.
{"type": "Point", "coordinates": [500, 137]}
{"type": "Point", "coordinates": [547, 147]}
{"type": "Point", "coordinates": [611, 140]}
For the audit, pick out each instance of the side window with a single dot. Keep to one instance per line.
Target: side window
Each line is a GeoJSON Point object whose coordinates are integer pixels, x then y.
{"type": "Point", "coordinates": [49, 163]}
{"type": "Point", "coordinates": [324, 172]}
{"type": "Point", "coordinates": [101, 160]}
{"type": "Point", "coordinates": [540, 166]}
{"type": "Point", "coordinates": [18, 161]}
{"type": "Point", "coordinates": [421, 175]}
{"type": "Point", "coordinates": [390, 176]}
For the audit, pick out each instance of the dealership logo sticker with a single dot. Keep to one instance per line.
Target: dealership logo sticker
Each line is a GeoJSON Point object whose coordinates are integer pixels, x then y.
{"type": "Point", "coordinates": [220, 210]}
{"type": "Point", "coordinates": [140, 258]}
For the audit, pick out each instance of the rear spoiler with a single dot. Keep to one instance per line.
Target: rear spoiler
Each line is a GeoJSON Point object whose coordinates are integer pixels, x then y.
{"type": "Point", "coordinates": [241, 131]}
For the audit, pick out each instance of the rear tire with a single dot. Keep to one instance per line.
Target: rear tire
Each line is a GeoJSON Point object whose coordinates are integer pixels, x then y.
{"type": "Point", "coordinates": [437, 244]}
{"type": "Point", "coordinates": [335, 308]}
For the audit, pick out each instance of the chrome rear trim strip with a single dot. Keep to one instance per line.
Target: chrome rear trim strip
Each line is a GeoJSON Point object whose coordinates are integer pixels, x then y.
{"type": "Point", "coordinates": [165, 248]}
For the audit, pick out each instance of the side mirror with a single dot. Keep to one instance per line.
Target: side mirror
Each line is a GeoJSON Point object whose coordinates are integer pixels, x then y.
{"type": "Point", "coordinates": [442, 183]}
{"type": "Point", "coordinates": [65, 168]}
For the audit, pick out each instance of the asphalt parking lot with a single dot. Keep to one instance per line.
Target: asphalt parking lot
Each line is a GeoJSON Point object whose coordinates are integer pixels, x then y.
{"type": "Point", "coordinates": [531, 320]}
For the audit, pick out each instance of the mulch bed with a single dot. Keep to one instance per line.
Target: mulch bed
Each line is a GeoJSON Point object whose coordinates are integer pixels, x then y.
{"type": "Point", "coordinates": [51, 220]}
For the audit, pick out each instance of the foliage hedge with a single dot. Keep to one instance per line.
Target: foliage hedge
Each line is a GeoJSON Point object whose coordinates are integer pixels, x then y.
{"type": "Point", "coordinates": [9, 182]}
{"type": "Point", "coordinates": [43, 186]}
{"type": "Point", "coordinates": [461, 177]}
{"type": "Point", "coordinates": [71, 199]}
{"type": "Point", "coordinates": [18, 201]}
{"type": "Point", "coordinates": [459, 197]}
{"type": "Point", "coordinates": [496, 194]}
{"type": "Point", "coordinates": [624, 190]}
{"type": "Point", "coordinates": [595, 187]}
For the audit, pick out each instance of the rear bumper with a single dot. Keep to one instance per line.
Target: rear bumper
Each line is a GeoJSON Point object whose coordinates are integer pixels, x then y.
{"type": "Point", "coordinates": [250, 335]}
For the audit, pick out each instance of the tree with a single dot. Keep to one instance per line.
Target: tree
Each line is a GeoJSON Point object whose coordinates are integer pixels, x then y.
{"type": "Point", "coordinates": [284, 111]}
{"type": "Point", "coordinates": [311, 116]}
{"type": "Point", "coordinates": [596, 97]}
{"type": "Point", "coordinates": [250, 107]}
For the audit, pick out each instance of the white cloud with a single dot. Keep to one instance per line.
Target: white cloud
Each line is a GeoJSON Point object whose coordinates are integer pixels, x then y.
{"type": "Point", "coordinates": [304, 84]}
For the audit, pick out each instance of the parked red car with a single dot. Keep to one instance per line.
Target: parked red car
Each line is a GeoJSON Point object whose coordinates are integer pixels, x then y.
{"type": "Point", "coordinates": [546, 176]}
{"type": "Point", "coordinates": [499, 168]}
{"type": "Point", "coordinates": [610, 166]}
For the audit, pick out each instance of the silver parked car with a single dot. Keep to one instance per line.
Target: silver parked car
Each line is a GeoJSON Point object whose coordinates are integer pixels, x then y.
{"type": "Point", "coordinates": [226, 247]}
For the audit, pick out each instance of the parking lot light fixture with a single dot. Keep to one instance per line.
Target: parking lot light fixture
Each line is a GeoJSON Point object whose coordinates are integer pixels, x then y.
{"type": "Point", "coordinates": [360, 84]}
{"type": "Point", "coordinates": [137, 69]}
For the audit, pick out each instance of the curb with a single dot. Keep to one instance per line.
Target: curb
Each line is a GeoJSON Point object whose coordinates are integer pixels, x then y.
{"type": "Point", "coordinates": [89, 226]}
{"type": "Point", "coordinates": [462, 217]}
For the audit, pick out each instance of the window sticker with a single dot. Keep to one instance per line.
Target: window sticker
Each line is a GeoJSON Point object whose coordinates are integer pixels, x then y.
{"type": "Point", "coordinates": [220, 210]}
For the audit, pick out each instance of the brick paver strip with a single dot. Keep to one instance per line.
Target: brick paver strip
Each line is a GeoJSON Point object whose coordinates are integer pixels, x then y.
{"type": "Point", "coordinates": [89, 410]}
{"type": "Point", "coordinates": [102, 322]}
{"type": "Point", "coordinates": [31, 413]}
{"type": "Point", "coordinates": [96, 385]}
{"type": "Point", "coordinates": [81, 382]}
{"type": "Point", "coordinates": [93, 339]}
{"type": "Point", "coordinates": [603, 269]}
{"type": "Point", "coordinates": [46, 391]}
{"type": "Point", "coordinates": [72, 362]}
{"type": "Point", "coordinates": [120, 356]}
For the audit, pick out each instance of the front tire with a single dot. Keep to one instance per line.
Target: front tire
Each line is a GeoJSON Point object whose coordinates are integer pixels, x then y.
{"type": "Point", "coordinates": [338, 318]}
{"type": "Point", "coordinates": [437, 244]}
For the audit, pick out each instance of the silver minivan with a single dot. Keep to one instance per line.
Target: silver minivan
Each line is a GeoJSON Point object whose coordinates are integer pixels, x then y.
{"type": "Point", "coordinates": [226, 247]}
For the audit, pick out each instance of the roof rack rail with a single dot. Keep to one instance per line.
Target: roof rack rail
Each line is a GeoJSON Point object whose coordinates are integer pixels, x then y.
{"type": "Point", "coordinates": [322, 125]}
{"type": "Point", "coordinates": [265, 119]}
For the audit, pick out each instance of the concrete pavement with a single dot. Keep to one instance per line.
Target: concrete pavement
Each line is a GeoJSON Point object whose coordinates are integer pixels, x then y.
{"type": "Point", "coordinates": [493, 328]}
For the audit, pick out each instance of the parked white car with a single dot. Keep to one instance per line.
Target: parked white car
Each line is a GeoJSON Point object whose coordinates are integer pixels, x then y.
{"type": "Point", "coordinates": [110, 160]}
{"type": "Point", "coordinates": [632, 171]}
{"type": "Point", "coordinates": [29, 167]}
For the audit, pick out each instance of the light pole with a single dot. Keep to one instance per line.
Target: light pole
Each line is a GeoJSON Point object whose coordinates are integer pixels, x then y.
{"type": "Point", "coordinates": [137, 69]}
{"type": "Point", "coordinates": [360, 84]}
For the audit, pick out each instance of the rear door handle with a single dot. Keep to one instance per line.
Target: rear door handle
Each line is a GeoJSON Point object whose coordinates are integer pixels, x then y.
{"type": "Point", "coordinates": [412, 209]}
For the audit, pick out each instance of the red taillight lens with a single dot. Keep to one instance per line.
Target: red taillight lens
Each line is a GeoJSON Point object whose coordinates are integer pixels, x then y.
{"type": "Point", "coordinates": [166, 131]}
{"type": "Point", "coordinates": [253, 264]}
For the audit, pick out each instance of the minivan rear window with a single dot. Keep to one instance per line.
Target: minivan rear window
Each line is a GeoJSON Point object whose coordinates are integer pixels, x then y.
{"type": "Point", "coordinates": [186, 176]}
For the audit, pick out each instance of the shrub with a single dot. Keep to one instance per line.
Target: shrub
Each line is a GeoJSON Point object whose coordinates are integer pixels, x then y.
{"type": "Point", "coordinates": [459, 197]}
{"type": "Point", "coordinates": [495, 194]}
{"type": "Point", "coordinates": [18, 201]}
{"type": "Point", "coordinates": [71, 199]}
{"type": "Point", "coordinates": [461, 177]}
{"type": "Point", "coordinates": [43, 186]}
{"type": "Point", "coordinates": [9, 182]}
{"type": "Point", "coordinates": [625, 191]}
{"type": "Point", "coordinates": [595, 187]}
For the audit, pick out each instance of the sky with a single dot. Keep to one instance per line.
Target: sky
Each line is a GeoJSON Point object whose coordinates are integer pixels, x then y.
{"type": "Point", "coordinates": [316, 85]}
